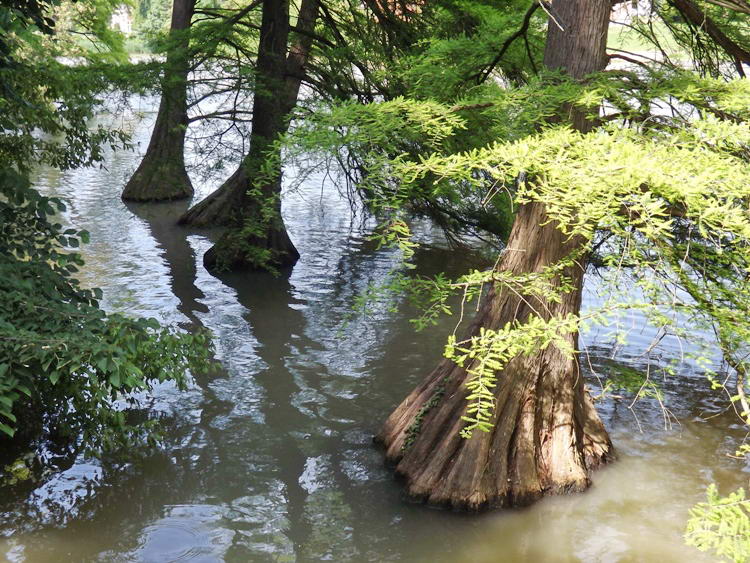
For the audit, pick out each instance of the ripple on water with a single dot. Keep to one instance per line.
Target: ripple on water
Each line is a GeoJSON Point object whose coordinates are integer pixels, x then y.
{"type": "Point", "coordinates": [270, 458]}
{"type": "Point", "coordinates": [185, 533]}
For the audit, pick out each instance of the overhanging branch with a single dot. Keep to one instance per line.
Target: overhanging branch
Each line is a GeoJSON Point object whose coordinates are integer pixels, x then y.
{"type": "Point", "coordinates": [693, 14]}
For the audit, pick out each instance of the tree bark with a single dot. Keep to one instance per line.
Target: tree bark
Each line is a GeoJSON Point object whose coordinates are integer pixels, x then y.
{"type": "Point", "coordinates": [232, 205]}
{"type": "Point", "coordinates": [546, 435]}
{"type": "Point", "coordinates": [161, 174]}
{"type": "Point", "coordinates": [220, 206]}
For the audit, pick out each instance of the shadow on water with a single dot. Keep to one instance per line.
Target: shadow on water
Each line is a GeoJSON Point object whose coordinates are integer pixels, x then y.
{"type": "Point", "coordinates": [292, 398]}
{"type": "Point", "coordinates": [278, 325]}
{"type": "Point", "coordinates": [161, 219]}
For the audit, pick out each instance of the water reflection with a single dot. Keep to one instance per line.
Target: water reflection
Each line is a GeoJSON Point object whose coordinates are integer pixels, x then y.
{"type": "Point", "coordinates": [161, 221]}
{"type": "Point", "coordinates": [269, 458]}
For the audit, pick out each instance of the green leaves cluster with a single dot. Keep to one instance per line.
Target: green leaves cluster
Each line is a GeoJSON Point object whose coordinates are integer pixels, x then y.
{"type": "Point", "coordinates": [674, 206]}
{"type": "Point", "coordinates": [721, 524]}
{"type": "Point", "coordinates": [660, 190]}
{"type": "Point", "coordinates": [48, 100]}
{"type": "Point", "coordinates": [63, 361]}
{"type": "Point", "coordinates": [67, 368]}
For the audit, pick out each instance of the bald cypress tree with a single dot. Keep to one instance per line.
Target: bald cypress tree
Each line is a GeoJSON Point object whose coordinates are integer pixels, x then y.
{"type": "Point", "coordinates": [256, 237]}
{"type": "Point", "coordinates": [161, 175]}
{"type": "Point", "coordinates": [546, 436]}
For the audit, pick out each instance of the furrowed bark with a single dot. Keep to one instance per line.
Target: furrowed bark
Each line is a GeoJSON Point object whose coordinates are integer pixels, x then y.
{"type": "Point", "coordinates": [219, 207]}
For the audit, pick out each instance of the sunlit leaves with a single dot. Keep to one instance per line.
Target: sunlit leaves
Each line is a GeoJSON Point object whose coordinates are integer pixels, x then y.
{"type": "Point", "coordinates": [721, 524]}
{"type": "Point", "coordinates": [668, 192]}
{"type": "Point", "coordinates": [486, 354]}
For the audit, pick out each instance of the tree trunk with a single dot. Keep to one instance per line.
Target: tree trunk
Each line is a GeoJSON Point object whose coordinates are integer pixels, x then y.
{"type": "Point", "coordinates": [219, 207]}
{"type": "Point", "coordinates": [252, 240]}
{"type": "Point", "coordinates": [161, 174]}
{"type": "Point", "coordinates": [546, 435]}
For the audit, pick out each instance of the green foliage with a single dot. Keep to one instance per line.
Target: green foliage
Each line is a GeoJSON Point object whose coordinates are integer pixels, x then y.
{"type": "Point", "coordinates": [362, 141]}
{"type": "Point", "coordinates": [151, 20]}
{"type": "Point", "coordinates": [416, 426]}
{"type": "Point", "coordinates": [397, 234]}
{"type": "Point", "coordinates": [440, 51]}
{"type": "Point", "coordinates": [82, 29]}
{"type": "Point", "coordinates": [632, 184]}
{"type": "Point", "coordinates": [428, 295]}
{"type": "Point", "coordinates": [47, 103]}
{"type": "Point", "coordinates": [466, 36]}
{"type": "Point", "coordinates": [17, 472]}
{"type": "Point", "coordinates": [67, 368]}
{"type": "Point", "coordinates": [633, 381]}
{"type": "Point", "coordinates": [375, 144]}
{"type": "Point", "coordinates": [61, 357]}
{"type": "Point", "coordinates": [721, 525]}
{"type": "Point", "coordinates": [668, 191]}
{"type": "Point", "coordinates": [33, 128]}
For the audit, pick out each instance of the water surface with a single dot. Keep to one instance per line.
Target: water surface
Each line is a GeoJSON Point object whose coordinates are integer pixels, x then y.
{"type": "Point", "coordinates": [270, 457]}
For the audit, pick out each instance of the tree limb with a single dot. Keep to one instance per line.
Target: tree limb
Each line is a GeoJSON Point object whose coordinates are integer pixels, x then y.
{"type": "Point", "coordinates": [481, 76]}
{"type": "Point", "coordinates": [693, 14]}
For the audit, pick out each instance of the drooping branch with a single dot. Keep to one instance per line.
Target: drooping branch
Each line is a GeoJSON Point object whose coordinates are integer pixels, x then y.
{"type": "Point", "coordinates": [737, 5]}
{"type": "Point", "coordinates": [227, 24]}
{"type": "Point", "coordinates": [333, 25]}
{"type": "Point", "coordinates": [697, 17]}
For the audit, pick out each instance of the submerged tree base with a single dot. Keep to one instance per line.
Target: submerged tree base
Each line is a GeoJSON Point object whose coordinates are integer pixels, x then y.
{"type": "Point", "coordinates": [255, 237]}
{"type": "Point", "coordinates": [546, 436]}
{"type": "Point", "coordinates": [545, 440]}
{"type": "Point", "coordinates": [236, 252]}
{"type": "Point", "coordinates": [219, 208]}
{"type": "Point", "coordinates": [158, 180]}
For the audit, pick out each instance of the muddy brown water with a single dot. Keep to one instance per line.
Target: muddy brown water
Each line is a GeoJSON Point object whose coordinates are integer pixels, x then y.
{"type": "Point", "coordinates": [270, 458]}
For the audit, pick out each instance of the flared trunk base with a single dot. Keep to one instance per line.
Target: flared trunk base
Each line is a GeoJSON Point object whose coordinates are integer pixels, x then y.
{"type": "Point", "coordinates": [158, 181]}
{"type": "Point", "coordinates": [544, 440]}
{"type": "Point", "coordinates": [220, 207]}
{"type": "Point", "coordinates": [546, 435]}
{"type": "Point", "coordinates": [234, 252]}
